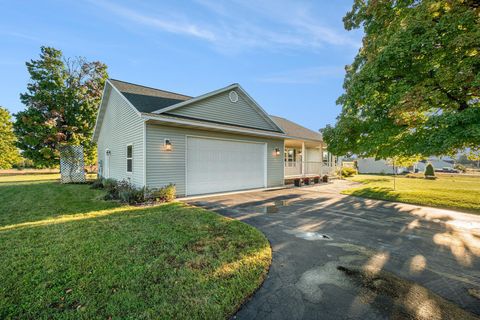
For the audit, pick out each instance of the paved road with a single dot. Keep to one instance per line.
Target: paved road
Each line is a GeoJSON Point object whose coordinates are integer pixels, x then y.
{"type": "Point", "coordinates": [439, 249]}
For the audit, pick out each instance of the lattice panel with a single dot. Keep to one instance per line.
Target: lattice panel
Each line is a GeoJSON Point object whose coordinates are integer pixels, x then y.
{"type": "Point", "coordinates": [72, 165]}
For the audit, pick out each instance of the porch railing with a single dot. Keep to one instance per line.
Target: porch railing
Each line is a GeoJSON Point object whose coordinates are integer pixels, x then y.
{"type": "Point", "coordinates": [294, 168]}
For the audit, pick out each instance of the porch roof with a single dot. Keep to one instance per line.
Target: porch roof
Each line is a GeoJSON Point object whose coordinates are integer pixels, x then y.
{"type": "Point", "coordinates": [294, 130]}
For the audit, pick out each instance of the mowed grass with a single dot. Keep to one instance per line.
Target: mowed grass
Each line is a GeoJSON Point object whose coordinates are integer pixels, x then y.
{"type": "Point", "coordinates": [447, 191]}
{"type": "Point", "coordinates": [65, 253]}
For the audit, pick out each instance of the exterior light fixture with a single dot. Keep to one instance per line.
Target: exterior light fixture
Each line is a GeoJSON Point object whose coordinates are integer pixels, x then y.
{"type": "Point", "coordinates": [276, 152]}
{"type": "Point", "coordinates": [167, 145]}
{"type": "Point", "coordinates": [108, 152]}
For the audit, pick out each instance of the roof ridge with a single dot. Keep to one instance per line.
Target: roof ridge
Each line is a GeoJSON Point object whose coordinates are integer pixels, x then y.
{"type": "Point", "coordinates": [141, 85]}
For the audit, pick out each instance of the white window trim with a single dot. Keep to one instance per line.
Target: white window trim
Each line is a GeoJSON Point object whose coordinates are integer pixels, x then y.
{"type": "Point", "coordinates": [127, 158]}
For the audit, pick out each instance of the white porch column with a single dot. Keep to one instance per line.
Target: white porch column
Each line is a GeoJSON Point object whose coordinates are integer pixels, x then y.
{"type": "Point", "coordinates": [321, 158]}
{"type": "Point", "coordinates": [303, 157]}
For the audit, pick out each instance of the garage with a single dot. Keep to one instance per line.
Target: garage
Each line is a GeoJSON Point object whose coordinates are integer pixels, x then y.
{"type": "Point", "coordinates": [220, 165]}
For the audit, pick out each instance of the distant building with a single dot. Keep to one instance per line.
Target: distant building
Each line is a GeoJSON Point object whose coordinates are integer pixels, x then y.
{"type": "Point", "coordinates": [370, 165]}
{"type": "Point", "coordinates": [437, 163]}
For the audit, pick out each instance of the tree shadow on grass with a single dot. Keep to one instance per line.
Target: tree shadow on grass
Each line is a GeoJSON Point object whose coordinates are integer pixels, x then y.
{"type": "Point", "coordinates": [375, 193]}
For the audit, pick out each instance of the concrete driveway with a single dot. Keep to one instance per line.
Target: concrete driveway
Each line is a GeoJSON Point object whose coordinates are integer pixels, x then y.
{"type": "Point", "coordinates": [314, 229]}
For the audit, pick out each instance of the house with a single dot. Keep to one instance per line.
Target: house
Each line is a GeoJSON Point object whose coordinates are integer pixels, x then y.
{"type": "Point", "coordinates": [437, 163]}
{"type": "Point", "coordinates": [217, 142]}
{"type": "Point", "coordinates": [370, 165]}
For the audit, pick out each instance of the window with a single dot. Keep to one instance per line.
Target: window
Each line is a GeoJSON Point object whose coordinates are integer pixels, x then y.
{"type": "Point", "coordinates": [129, 158]}
{"type": "Point", "coordinates": [290, 155]}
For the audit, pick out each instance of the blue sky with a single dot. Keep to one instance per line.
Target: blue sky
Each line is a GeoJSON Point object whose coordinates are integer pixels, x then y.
{"type": "Point", "coordinates": [289, 55]}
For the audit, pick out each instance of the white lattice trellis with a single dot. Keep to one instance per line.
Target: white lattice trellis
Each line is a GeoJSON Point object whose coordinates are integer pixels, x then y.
{"type": "Point", "coordinates": [72, 166]}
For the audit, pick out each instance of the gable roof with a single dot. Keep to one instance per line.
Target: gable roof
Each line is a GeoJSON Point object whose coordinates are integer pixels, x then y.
{"type": "Point", "coordinates": [262, 113]}
{"type": "Point", "coordinates": [147, 99]}
{"type": "Point", "coordinates": [151, 103]}
{"type": "Point", "coordinates": [295, 130]}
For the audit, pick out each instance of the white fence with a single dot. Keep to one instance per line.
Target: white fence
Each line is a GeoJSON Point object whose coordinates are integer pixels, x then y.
{"type": "Point", "coordinates": [297, 168]}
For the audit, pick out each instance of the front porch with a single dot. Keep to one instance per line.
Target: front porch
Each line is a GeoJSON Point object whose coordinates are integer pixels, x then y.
{"type": "Point", "coordinates": [307, 159]}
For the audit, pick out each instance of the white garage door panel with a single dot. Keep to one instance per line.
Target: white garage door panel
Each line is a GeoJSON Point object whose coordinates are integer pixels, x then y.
{"type": "Point", "coordinates": [215, 165]}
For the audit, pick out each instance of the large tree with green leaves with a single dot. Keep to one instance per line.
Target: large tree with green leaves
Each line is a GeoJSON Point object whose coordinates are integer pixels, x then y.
{"type": "Point", "coordinates": [414, 86]}
{"type": "Point", "coordinates": [62, 101]}
{"type": "Point", "coordinates": [9, 154]}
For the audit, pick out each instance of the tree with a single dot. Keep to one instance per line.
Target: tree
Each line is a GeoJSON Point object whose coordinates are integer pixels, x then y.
{"type": "Point", "coordinates": [429, 171]}
{"type": "Point", "coordinates": [9, 154]}
{"type": "Point", "coordinates": [62, 101]}
{"type": "Point", "coordinates": [399, 161]}
{"type": "Point", "coordinates": [474, 155]}
{"type": "Point", "coordinates": [414, 86]}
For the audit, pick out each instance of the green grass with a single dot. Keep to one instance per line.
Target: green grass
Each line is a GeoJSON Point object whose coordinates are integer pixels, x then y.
{"type": "Point", "coordinates": [448, 191]}
{"type": "Point", "coordinates": [65, 253]}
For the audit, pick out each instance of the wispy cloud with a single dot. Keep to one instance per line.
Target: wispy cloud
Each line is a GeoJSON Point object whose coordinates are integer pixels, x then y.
{"type": "Point", "coordinates": [305, 75]}
{"type": "Point", "coordinates": [167, 24]}
{"type": "Point", "coordinates": [22, 36]}
{"type": "Point", "coordinates": [242, 25]}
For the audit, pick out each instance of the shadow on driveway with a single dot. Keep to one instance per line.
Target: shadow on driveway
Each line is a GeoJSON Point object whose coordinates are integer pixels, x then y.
{"type": "Point", "coordinates": [438, 249]}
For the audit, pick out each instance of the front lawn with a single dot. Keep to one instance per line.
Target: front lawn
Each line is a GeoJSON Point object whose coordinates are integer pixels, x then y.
{"type": "Point", "coordinates": [66, 253]}
{"type": "Point", "coordinates": [448, 191]}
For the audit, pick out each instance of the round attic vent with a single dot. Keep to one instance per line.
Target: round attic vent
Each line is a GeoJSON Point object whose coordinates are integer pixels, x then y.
{"type": "Point", "coordinates": [233, 96]}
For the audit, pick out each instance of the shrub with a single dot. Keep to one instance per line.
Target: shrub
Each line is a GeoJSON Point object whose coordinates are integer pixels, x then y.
{"type": "Point", "coordinates": [166, 193]}
{"type": "Point", "coordinates": [127, 192]}
{"type": "Point", "coordinates": [97, 184]}
{"type": "Point", "coordinates": [460, 168]}
{"type": "Point", "coordinates": [429, 172]}
{"type": "Point", "coordinates": [348, 172]}
{"type": "Point", "coordinates": [131, 195]}
{"type": "Point", "coordinates": [111, 186]}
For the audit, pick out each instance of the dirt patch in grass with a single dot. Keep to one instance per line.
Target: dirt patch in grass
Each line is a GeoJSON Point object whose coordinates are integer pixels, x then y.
{"type": "Point", "coordinates": [409, 300]}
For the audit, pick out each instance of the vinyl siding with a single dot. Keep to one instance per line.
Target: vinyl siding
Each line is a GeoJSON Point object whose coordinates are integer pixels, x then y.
{"type": "Point", "coordinates": [122, 126]}
{"type": "Point", "coordinates": [164, 167]}
{"type": "Point", "coordinates": [219, 108]}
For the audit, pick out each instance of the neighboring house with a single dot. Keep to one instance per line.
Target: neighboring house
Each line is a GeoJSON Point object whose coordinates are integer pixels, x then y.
{"type": "Point", "coordinates": [219, 141]}
{"type": "Point", "coordinates": [370, 165]}
{"type": "Point", "coordinates": [437, 163]}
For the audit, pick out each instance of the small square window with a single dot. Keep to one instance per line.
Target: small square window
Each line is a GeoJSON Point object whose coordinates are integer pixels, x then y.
{"type": "Point", "coordinates": [130, 158]}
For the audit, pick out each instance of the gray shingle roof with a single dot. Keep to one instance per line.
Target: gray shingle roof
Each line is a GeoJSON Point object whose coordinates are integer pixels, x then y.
{"type": "Point", "coordinates": [147, 99]}
{"type": "Point", "coordinates": [295, 130]}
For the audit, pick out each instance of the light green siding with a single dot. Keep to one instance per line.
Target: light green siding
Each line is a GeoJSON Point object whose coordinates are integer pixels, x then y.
{"type": "Point", "coordinates": [164, 167]}
{"type": "Point", "coordinates": [122, 126]}
{"type": "Point", "coordinates": [219, 108]}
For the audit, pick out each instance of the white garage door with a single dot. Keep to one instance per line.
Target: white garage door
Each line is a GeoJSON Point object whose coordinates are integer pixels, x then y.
{"type": "Point", "coordinates": [215, 165]}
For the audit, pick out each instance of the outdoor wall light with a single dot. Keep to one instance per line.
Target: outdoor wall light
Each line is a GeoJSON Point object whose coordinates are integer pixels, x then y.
{"type": "Point", "coordinates": [108, 152]}
{"type": "Point", "coordinates": [276, 152]}
{"type": "Point", "coordinates": [167, 145]}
